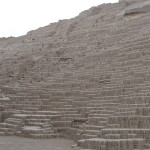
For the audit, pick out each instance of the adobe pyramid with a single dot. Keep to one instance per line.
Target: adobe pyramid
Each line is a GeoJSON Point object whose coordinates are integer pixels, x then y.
{"type": "Point", "coordinates": [85, 78]}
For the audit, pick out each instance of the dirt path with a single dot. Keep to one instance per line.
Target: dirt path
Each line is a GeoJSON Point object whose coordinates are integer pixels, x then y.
{"type": "Point", "coordinates": [17, 143]}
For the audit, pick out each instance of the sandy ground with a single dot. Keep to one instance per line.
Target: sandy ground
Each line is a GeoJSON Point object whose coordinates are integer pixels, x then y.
{"type": "Point", "coordinates": [19, 143]}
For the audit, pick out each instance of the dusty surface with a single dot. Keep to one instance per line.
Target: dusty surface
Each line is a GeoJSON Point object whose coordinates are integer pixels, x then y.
{"type": "Point", "coordinates": [17, 143]}
{"type": "Point", "coordinates": [85, 77]}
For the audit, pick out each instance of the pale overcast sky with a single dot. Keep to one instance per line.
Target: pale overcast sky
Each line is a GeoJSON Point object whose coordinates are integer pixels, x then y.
{"type": "Point", "coordinates": [17, 17]}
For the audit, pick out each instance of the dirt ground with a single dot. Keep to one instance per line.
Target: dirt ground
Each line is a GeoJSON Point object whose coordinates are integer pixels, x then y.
{"type": "Point", "coordinates": [19, 143]}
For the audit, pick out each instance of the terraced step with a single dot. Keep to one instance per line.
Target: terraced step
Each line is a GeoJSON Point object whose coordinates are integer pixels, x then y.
{"type": "Point", "coordinates": [92, 127]}
{"type": "Point", "coordinates": [140, 132]}
{"type": "Point", "coordinates": [88, 136]}
{"type": "Point", "coordinates": [102, 111]}
{"type": "Point", "coordinates": [44, 136]}
{"type": "Point", "coordinates": [40, 112]}
{"type": "Point", "coordinates": [3, 134]}
{"type": "Point", "coordinates": [6, 125]}
{"type": "Point", "coordinates": [92, 119]}
{"type": "Point", "coordinates": [36, 116]}
{"type": "Point", "coordinates": [35, 124]}
{"type": "Point", "coordinates": [132, 121]}
{"type": "Point", "coordinates": [112, 144]}
{"type": "Point", "coordinates": [97, 122]}
{"type": "Point", "coordinates": [120, 136]}
{"type": "Point", "coordinates": [61, 123]}
{"type": "Point", "coordinates": [99, 115]}
{"type": "Point", "coordinates": [7, 130]}
{"type": "Point", "coordinates": [86, 149]}
{"type": "Point", "coordinates": [37, 132]}
{"type": "Point", "coordinates": [38, 120]}
{"type": "Point", "coordinates": [13, 121]}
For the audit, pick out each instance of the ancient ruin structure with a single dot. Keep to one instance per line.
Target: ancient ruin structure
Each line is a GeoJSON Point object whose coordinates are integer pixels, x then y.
{"type": "Point", "coordinates": [135, 6]}
{"type": "Point", "coordinates": [86, 78]}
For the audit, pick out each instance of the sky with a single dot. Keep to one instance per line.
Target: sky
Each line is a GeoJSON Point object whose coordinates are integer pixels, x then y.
{"type": "Point", "coordinates": [17, 17]}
